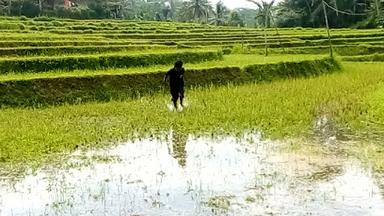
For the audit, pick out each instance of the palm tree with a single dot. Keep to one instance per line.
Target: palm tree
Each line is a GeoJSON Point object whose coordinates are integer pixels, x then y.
{"type": "Point", "coordinates": [167, 11]}
{"type": "Point", "coordinates": [5, 7]}
{"type": "Point", "coordinates": [266, 17]}
{"type": "Point", "coordinates": [377, 9]}
{"type": "Point", "coordinates": [197, 9]}
{"type": "Point", "coordinates": [264, 12]}
{"type": "Point", "coordinates": [220, 11]}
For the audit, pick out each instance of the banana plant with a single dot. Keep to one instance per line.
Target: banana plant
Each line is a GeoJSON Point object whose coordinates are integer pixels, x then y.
{"type": "Point", "coordinates": [264, 14]}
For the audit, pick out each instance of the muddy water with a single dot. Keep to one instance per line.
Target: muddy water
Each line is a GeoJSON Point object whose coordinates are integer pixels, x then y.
{"type": "Point", "coordinates": [182, 175]}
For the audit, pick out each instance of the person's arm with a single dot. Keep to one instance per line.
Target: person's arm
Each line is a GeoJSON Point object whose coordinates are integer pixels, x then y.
{"type": "Point", "coordinates": [166, 76]}
{"type": "Point", "coordinates": [182, 73]}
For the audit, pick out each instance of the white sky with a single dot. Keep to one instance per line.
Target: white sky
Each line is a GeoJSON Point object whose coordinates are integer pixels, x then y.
{"type": "Point", "coordinates": [238, 3]}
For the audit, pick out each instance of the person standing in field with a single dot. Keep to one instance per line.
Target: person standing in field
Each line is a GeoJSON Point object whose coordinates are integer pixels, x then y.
{"type": "Point", "coordinates": [176, 83]}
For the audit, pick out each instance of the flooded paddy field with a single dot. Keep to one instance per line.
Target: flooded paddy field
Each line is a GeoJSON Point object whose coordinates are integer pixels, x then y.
{"type": "Point", "coordinates": [187, 175]}
{"type": "Point", "coordinates": [79, 99]}
{"type": "Point", "coordinates": [89, 159]}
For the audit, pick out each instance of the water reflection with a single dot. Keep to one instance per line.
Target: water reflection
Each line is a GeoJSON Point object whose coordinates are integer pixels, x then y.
{"type": "Point", "coordinates": [185, 175]}
{"type": "Point", "coordinates": [326, 173]}
{"type": "Point", "coordinates": [177, 147]}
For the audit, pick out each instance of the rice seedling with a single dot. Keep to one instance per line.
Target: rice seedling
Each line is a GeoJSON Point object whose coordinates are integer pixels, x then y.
{"type": "Point", "coordinates": [280, 109]}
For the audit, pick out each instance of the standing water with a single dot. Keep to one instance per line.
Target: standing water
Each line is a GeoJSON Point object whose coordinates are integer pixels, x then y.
{"type": "Point", "coordinates": [185, 175]}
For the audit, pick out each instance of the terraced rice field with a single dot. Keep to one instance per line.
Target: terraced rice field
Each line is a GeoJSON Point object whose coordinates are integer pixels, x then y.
{"type": "Point", "coordinates": [86, 127]}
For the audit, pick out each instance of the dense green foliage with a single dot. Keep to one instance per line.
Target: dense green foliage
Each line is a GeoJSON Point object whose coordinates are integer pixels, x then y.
{"type": "Point", "coordinates": [288, 13]}
{"type": "Point", "coordinates": [341, 13]}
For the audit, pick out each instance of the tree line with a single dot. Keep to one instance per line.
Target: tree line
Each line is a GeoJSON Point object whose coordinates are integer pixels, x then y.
{"type": "Point", "coordinates": [288, 13]}
{"type": "Point", "coordinates": [341, 13]}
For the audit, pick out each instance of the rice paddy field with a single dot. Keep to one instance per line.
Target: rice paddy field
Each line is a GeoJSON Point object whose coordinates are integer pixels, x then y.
{"type": "Point", "coordinates": [87, 126]}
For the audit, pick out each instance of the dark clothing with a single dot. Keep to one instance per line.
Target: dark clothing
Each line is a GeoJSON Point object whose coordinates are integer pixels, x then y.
{"type": "Point", "coordinates": [176, 78]}
{"type": "Point", "coordinates": [177, 93]}
{"type": "Point", "coordinates": [176, 83]}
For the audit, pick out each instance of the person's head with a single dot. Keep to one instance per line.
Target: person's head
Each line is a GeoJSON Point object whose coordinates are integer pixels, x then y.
{"type": "Point", "coordinates": [178, 65]}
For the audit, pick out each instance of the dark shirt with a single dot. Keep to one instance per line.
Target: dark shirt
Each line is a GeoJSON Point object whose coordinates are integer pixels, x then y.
{"type": "Point", "coordinates": [176, 78]}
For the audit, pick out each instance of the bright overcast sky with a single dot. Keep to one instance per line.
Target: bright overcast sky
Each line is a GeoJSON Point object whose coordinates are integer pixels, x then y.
{"type": "Point", "coordinates": [237, 3]}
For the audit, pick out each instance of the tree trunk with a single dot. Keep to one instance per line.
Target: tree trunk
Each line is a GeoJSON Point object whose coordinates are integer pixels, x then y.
{"type": "Point", "coordinates": [51, 4]}
{"type": "Point", "coordinates": [40, 6]}
{"type": "Point", "coordinates": [9, 7]}
{"type": "Point", "coordinates": [265, 34]}
{"type": "Point", "coordinates": [377, 2]}
{"type": "Point", "coordinates": [329, 34]}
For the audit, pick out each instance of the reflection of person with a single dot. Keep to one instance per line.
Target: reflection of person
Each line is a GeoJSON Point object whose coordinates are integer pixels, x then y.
{"type": "Point", "coordinates": [176, 83]}
{"type": "Point", "coordinates": [179, 142]}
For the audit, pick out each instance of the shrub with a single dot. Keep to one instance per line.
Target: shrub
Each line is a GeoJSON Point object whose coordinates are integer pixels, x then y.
{"type": "Point", "coordinates": [239, 49]}
{"type": "Point", "coordinates": [22, 26]}
{"type": "Point", "coordinates": [43, 18]}
{"type": "Point", "coordinates": [57, 23]}
{"type": "Point", "coordinates": [23, 18]}
{"type": "Point", "coordinates": [227, 51]}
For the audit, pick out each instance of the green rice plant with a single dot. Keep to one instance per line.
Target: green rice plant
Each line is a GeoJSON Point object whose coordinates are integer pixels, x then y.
{"type": "Point", "coordinates": [58, 23]}
{"type": "Point", "coordinates": [60, 50]}
{"type": "Point", "coordinates": [38, 92]}
{"type": "Point", "coordinates": [9, 26]}
{"type": "Point", "coordinates": [23, 18]}
{"type": "Point", "coordinates": [43, 18]}
{"type": "Point", "coordinates": [365, 58]}
{"type": "Point", "coordinates": [85, 27]}
{"type": "Point", "coordinates": [47, 37]}
{"type": "Point", "coordinates": [123, 60]}
{"type": "Point", "coordinates": [22, 26]}
{"type": "Point", "coordinates": [285, 108]}
{"type": "Point", "coordinates": [234, 60]}
{"type": "Point", "coordinates": [34, 28]}
{"type": "Point", "coordinates": [227, 51]}
{"type": "Point", "coordinates": [342, 50]}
